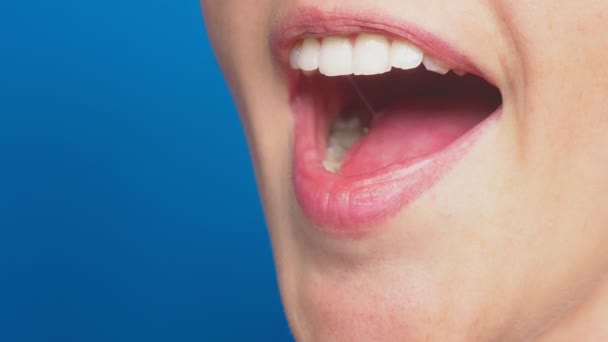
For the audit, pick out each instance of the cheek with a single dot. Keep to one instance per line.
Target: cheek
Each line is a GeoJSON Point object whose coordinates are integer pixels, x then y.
{"type": "Point", "coordinates": [561, 83]}
{"type": "Point", "coordinates": [239, 32]}
{"type": "Point", "coordinates": [234, 25]}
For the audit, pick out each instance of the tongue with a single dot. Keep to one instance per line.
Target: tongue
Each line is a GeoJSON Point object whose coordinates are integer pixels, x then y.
{"type": "Point", "coordinates": [409, 131]}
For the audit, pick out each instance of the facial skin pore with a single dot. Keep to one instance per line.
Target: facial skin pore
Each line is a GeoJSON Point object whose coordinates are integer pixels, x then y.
{"type": "Point", "coordinates": [511, 244]}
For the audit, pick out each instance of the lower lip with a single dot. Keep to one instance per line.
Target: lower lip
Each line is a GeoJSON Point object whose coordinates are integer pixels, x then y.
{"type": "Point", "coordinates": [351, 206]}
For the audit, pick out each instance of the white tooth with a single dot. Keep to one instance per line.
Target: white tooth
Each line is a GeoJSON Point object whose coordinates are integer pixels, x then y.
{"type": "Point", "coordinates": [345, 139]}
{"type": "Point", "coordinates": [371, 55]}
{"type": "Point", "coordinates": [405, 56]}
{"type": "Point", "coordinates": [336, 57]}
{"type": "Point", "coordinates": [294, 56]}
{"type": "Point", "coordinates": [348, 124]}
{"type": "Point", "coordinates": [433, 65]}
{"type": "Point", "coordinates": [309, 55]}
{"type": "Point", "coordinates": [335, 152]}
{"type": "Point", "coordinates": [345, 133]}
{"type": "Point", "coordinates": [459, 72]}
{"type": "Point", "coordinates": [332, 166]}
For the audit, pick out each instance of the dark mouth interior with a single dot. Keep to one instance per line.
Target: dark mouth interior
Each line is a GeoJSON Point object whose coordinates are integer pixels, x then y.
{"type": "Point", "coordinates": [415, 106]}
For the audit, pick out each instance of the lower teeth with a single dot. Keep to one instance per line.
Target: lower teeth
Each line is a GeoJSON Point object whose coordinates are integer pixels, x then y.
{"type": "Point", "coordinates": [344, 133]}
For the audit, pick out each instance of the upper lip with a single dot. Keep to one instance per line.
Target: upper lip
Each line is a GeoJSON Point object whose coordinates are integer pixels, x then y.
{"type": "Point", "coordinates": [310, 22]}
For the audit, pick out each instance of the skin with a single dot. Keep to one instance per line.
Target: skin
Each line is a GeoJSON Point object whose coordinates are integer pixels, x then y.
{"type": "Point", "coordinates": [510, 246]}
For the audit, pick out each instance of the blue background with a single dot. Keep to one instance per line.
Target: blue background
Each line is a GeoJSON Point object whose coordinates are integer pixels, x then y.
{"type": "Point", "coordinates": [128, 209]}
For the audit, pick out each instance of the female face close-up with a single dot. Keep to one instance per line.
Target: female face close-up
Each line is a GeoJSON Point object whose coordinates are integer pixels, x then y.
{"type": "Point", "coordinates": [429, 170]}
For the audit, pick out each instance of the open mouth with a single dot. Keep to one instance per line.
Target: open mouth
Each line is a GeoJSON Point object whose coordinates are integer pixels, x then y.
{"type": "Point", "coordinates": [380, 103]}
{"type": "Point", "coordinates": [378, 122]}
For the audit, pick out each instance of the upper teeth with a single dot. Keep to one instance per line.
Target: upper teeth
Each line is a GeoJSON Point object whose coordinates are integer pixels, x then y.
{"type": "Point", "coordinates": [371, 54]}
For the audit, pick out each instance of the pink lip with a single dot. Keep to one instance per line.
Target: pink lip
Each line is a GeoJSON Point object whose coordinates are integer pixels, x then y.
{"type": "Point", "coordinates": [351, 206]}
